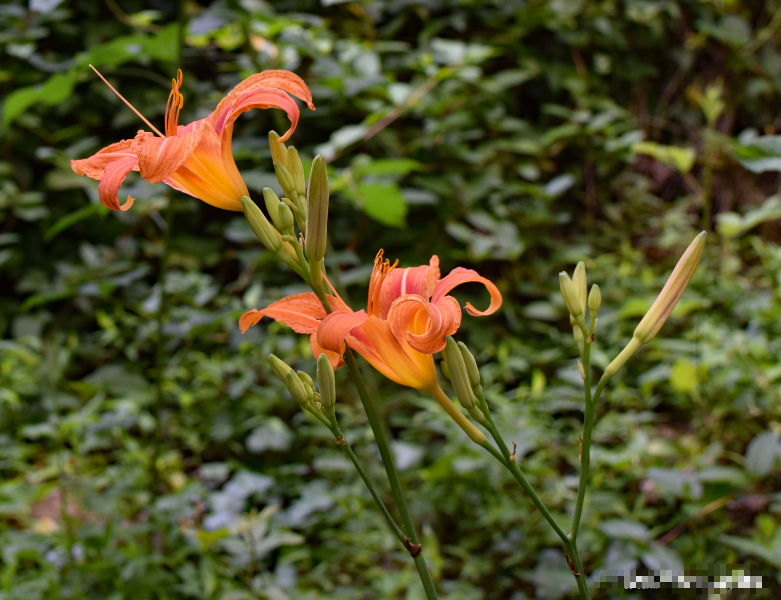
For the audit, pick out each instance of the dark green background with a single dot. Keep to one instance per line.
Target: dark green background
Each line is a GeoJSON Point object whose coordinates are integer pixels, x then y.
{"type": "Point", "coordinates": [139, 465]}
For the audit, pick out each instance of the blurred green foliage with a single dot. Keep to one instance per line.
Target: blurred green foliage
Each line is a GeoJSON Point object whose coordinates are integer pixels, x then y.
{"type": "Point", "coordinates": [147, 452]}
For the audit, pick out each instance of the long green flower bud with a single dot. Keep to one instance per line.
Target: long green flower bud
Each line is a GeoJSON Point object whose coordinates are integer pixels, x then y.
{"type": "Point", "coordinates": [296, 388]}
{"type": "Point", "coordinates": [580, 284]}
{"type": "Point", "coordinates": [279, 367]}
{"type": "Point", "coordinates": [279, 152]}
{"type": "Point", "coordinates": [317, 211]}
{"type": "Point", "coordinates": [326, 381]}
{"type": "Point", "coordinates": [265, 231]}
{"type": "Point", "coordinates": [296, 168]}
{"type": "Point", "coordinates": [671, 292]}
{"type": "Point", "coordinates": [272, 205]}
{"type": "Point", "coordinates": [471, 365]}
{"type": "Point", "coordinates": [594, 302]}
{"type": "Point", "coordinates": [570, 295]}
{"type": "Point", "coordinates": [458, 375]}
{"type": "Point", "coordinates": [656, 316]}
{"type": "Point", "coordinates": [285, 179]}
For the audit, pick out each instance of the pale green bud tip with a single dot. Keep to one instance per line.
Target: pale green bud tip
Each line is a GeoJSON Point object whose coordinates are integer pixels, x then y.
{"type": "Point", "coordinates": [279, 153]}
{"type": "Point", "coordinates": [286, 219]}
{"type": "Point", "coordinates": [260, 225]}
{"type": "Point", "coordinates": [326, 381]}
{"type": "Point", "coordinates": [570, 295]}
{"type": "Point", "coordinates": [317, 211]}
{"type": "Point", "coordinates": [304, 377]}
{"type": "Point", "coordinates": [296, 388]}
{"type": "Point", "coordinates": [272, 203]}
{"type": "Point", "coordinates": [671, 292]}
{"type": "Point", "coordinates": [284, 177]}
{"type": "Point", "coordinates": [458, 374]}
{"type": "Point", "coordinates": [594, 298]}
{"type": "Point", "coordinates": [279, 367]}
{"type": "Point", "coordinates": [296, 170]}
{"type": "Point", "coordinates": [471, 365]}
{"type": "Point", "coordinates": [579, 281]}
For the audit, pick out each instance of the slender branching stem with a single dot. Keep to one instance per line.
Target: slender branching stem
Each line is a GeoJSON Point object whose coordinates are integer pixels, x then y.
{"type": "Point", "coordinates": [413, 545]}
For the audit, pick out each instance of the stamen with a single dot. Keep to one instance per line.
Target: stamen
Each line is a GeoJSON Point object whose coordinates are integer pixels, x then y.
{"type": "Point", "coordinates": [133, 108]}
{"type": "Point", "coordinates": [379, 273]}
{"type": "Point", "coordinates": [174, 105]}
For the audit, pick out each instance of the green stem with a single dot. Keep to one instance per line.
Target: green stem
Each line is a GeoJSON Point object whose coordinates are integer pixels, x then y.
{"type": "Point", "coordinates": [393, 476]}
{"type": "Point", "coordinates": [509, 462]}
{"type": "Point", "coordinates": [585, 451]}
{"type": "Point", "coordinates": [358, 467]}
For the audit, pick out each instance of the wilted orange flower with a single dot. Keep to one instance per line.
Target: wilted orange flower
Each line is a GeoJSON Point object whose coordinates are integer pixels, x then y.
{"type": "Point", "coordinates": [408, 317]}
{"type": "Point", "coordinates": [195, 159]}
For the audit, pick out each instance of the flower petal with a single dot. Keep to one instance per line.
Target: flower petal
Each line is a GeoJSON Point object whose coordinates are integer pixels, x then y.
{"type": "Point", "coordinates": [283, 80]}
{"type": "Point", "coordinates": [423, 324]}
{"type": "Point", "coordinates": [113, 176]}
{"type": "Point", "coordinates": [334, 358]}
{"type": "Point", "coordinates": [460, 275]}
{"type": "Point", "coordinates": [301, 312]}
{"type": "Point", "coordinates": [337, 326]}
{"type": "Point", "coordinates": [229, 109]}
{"type": "Point", "coordinates": [159, 157]}
{"type": "Point", "coordinates": [209, 172]}
{"type": "Point", "coordinates": [413, 280]}
{"type": "Point", "coordinates": [409, 367]}
{"type": "Point", "coordinates": [94, 165]}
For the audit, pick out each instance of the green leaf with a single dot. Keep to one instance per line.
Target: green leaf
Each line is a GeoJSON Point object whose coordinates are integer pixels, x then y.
{"type": "Point", "coordinates": [387, 166]}
{"type": "Point", "coordinates": [762, 453]}
{"type": "Point", "coordinates": [383, 202]}
{"type": "Point", "coordinates": [74, 217]}
{"type": "Point", "coordinates": [760, 155]}
{"type": "Point", "coordinates": [681, 159]}
{"type": "Point", "coordinates": [53, 91]}
{"type": "Point", "coordinates": [683, 376]}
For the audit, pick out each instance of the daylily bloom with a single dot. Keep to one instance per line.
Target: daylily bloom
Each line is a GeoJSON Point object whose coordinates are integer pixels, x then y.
{"type": "Point", "coordinates": [408, 317]}
{"type": "Point", "coordinates": [196, 158]}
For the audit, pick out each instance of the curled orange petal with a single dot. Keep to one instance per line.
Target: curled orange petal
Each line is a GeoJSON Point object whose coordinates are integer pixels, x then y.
{"type": "Point", "coordinates": [423, 324]}
{"type": "Point", "coordinates": [336, 327]}
{"type": "Point", "coordinates": [283, 80]}
{"type": "Point", "coordinates": [460, 275]}
{"type": "Point", "coordinates": [411, 280]}
{"type": "Point", "coordinates": [334, 358]}
{"type": "Point", "coordinates": [94, 165]}
{"type": "Point", "coordinates": [113, 175]}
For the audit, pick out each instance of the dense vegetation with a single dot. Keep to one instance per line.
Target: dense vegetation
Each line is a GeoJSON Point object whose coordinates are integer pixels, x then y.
{"type": "Point", "coordinates": [146, 451]}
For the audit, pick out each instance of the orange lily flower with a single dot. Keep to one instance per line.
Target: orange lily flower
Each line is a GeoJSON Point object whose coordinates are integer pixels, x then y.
{"type": "Point", "coordinates": [408, 317]}
{"type": "Point", "coordinates": [196, 158]}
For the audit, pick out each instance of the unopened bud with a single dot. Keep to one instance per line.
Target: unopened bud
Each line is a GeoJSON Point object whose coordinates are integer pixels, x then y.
{"type": "Point", "coordinates": [279, 153]}
{"type": "Point", "coordinates": [671, 292]}
{"type": "Point", "coordinates": [317, 211]}
{"type": "Point", "coordinates": [570, 295]}
{"type": "Point", "coordinates": [265, 231]}
{"type": "Point", "coordinates": [579, 281]}
{"type": "Point", "coordinates": [286, 219]}
{"type": "Point", "coordinates": [444, 367]}
{"type": "Point", "coordinates": [296, 168]}
{"type": "Point", "coordinates": [471, 365]}
{"type": "Point", "coordinates": [594, 299]}
{"type": "Point", "coordinates": [279, 367]}
{"type": "Point", "coordinates": [272, 205]}
{"type": "Point", "coordinates": [296, 388]}
{"type": "Point", "coordinates": [284, 178]}
{"type": "Point", "coordinates": [305, 378]}
{"type": "Point", "coordinates": [326, 381]}
{"type": "Point", "coordinates": [458, 375]}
